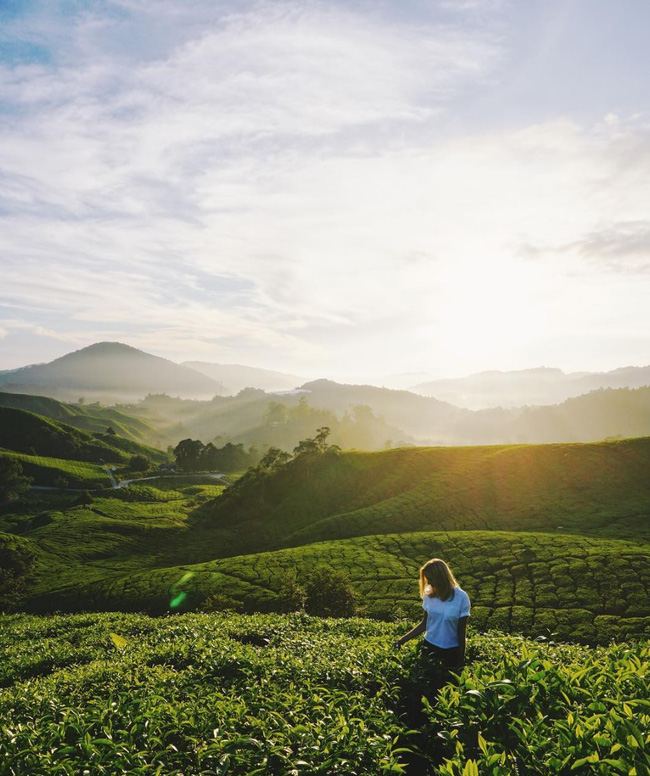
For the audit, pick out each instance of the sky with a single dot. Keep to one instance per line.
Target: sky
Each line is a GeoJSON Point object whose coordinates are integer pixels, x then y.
{"type": "Point", "coordinates": [338, 188]}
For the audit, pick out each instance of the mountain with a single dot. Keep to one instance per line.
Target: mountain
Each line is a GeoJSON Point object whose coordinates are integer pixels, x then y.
{"type": "Point", "coordinates": [539, 386]}
{"type": "Point", "coordinates": [424, 418]}
{"type": "Point", "coordinates": [626, 377]}
{"type": "Point", "coordinates": [233, 378]}
{"type": "Point", "coordinates": [108, 371]}
{"type": "Point", "coordinates": [371, 418]}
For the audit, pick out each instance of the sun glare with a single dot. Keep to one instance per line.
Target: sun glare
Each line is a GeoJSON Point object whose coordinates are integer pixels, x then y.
{"type": "Point", "coordinates": [488, 307]}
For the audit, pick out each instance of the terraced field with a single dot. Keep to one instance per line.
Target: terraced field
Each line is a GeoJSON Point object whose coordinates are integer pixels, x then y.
{"type": "Point", "coordinates": [575, 588]}
{"type": "Point", "coordinates": [549, 539]}
{"type": "Point", "coordinates": [51, 472]}
{"type": "Point", "coordinates": [603, 489]}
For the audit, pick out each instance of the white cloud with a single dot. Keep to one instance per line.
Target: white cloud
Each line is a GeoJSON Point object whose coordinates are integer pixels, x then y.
{"type": "Point", "coordinates": [256, 178]}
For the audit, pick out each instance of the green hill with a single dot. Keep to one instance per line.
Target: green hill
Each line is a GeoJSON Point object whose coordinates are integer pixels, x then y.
{"type": "Point", "coordinates": [26, 432]}
{"type": "Point", "coordinates": [577, 588]}
{"type": "Point", "coordinates": [550, 538]}
{"type": "Point", "coordinates": [60, 472]}
{"type": "Point", "coordinates": [601, 488]}
{"type": "Point", "coordinates": [92, 418]}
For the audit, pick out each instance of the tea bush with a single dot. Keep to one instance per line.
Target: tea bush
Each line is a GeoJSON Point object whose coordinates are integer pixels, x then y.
{"type": "Point", "coordinates": [242, 695]}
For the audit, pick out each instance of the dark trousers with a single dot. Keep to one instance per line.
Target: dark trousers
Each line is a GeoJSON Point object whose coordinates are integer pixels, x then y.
{"type": "Point", "coordinates": [447, 657]}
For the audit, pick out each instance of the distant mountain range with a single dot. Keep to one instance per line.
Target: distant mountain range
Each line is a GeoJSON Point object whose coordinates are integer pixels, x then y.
{"type": "Point", "coordinates": [528, 387]}
{"type": "Point", "coordinates": [113, 372]}
{"type": "Point", "coordinates": [233, 378]}
{"type": "Point", "coordinates": [183, 401]}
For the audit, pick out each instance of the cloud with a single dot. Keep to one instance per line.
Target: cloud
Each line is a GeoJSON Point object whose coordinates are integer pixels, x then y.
{"type": "Point", "coordinates": [622, 247]}
{"type": "Point", "coordinates": [282, 180]}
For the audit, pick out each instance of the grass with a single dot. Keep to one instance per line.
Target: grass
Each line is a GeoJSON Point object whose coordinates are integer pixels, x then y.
{"type": "Point", "coordinates": [217, 694]}
{"type": "Point", "coordinates": [49, 472]}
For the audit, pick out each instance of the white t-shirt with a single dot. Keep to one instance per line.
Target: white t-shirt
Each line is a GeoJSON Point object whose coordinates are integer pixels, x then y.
{"type": "Point", "coordinates": [443, 616]}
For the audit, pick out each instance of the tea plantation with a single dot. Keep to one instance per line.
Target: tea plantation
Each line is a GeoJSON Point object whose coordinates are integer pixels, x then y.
{"type": "Point", "coordinates": [269, 694]}
{"type": "Point", "coordinates": [550, 542]}
{"type": "Point", "coordinates": [547, 539]}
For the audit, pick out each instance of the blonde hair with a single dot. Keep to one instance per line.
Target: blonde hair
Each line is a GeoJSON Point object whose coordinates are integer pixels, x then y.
{"type": "Point", "coordinates": [436, 580]}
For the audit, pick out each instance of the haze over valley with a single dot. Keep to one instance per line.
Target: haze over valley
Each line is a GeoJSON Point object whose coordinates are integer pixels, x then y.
{"type": "Point", "coordinates": [266, 408]}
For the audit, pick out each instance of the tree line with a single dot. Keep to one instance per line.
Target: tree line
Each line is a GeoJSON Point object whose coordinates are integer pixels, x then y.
{"type": "Point", "coordinates": [192, 455]}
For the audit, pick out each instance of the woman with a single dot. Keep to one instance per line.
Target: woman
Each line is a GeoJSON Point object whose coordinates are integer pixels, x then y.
{"type": "Point", "coordinates": [446, 609]}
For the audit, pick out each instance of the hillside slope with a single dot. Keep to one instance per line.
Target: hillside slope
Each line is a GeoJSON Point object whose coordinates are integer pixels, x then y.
{"type": "Point", "coordinates": [86, 417]}
{"type": "Point", "coordinates": [25, 432]}
{"type": "Point", "coordinates": [579, 588]}
{"type": "Point", "coordinates": [518, 488]}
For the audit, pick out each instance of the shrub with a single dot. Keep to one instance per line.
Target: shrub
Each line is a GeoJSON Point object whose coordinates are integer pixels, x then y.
{"type": "Point", "coordinates": [220, 603]}
{"type": "Point", "coordinates": [292, 595]}
{"type": "Point", "coordinates": [329, 594]}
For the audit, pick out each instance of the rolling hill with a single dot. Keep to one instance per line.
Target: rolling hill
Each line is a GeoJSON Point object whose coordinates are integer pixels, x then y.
{"type": "Point", "coordinates": [35, 435]}
{"type": "Point", "coordinates": [515, 488]}
{"type": "Point", "coordinates": [543, 537]}
{"type": "Point", "coordinates": [92, 418]}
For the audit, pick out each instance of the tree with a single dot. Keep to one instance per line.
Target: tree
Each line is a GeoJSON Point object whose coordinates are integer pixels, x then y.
{"type": "Point", "coordinates": [16, 561]}
{"type": "Point", "coordinates": [316, 445]}
{"type": "Point", "coordinates": [291, 594]}
{"type": "Point", "coordinates": [276, 414]}
{"type": "Point", "coordinates": [329, 593]}
{"type": "Point", "coordinates": [188, 454]}
{"type": "Point", "coordinates": [61, 482]}
{"type": "Point", "coordinates": [12, 481]}
{"type": "Point", "coordinates": [110, 431]}
{"type": "Point", "coordinates": [273, 459]}
{"type": "Point", "coordinates": [139, 463]}
{"type": "Point", "coordinates": [85, 499]}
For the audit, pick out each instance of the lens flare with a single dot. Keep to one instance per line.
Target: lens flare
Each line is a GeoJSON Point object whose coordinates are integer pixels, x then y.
{"type": "Point", "coordinates": [178, 595]}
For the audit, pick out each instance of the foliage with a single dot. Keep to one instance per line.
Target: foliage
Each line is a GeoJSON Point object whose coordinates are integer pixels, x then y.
{"type": "Point", "coordinates": [328, 593]}
{"type": "Point", "coordinates": [220, 603]}
{"type": "Point", "coordinates": [139, 463]}
{"type": "Point", "coordinates": [546, 711]}
{"type": "Point", "coordinates": [12, 481]}
{"type": "Point", "coordinates": [192, 455]}
{"type": "Point", "coordinates": [207, 693]}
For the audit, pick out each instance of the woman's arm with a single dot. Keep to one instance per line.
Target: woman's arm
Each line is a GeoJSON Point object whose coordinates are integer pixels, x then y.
{"type": "Point", "coordinates": [462, 639]}
{"type": "Point", "coordinates": [419, 628]}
